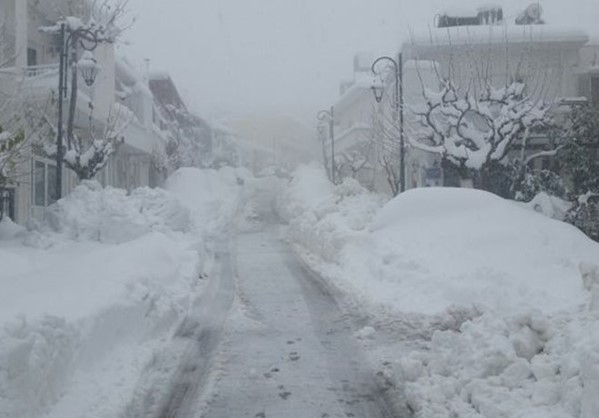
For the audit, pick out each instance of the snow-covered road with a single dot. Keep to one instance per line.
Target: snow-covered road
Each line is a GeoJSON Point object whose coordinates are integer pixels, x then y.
{"type": "Point", "coordinates": [288, 349]}
{"type": "Point", "coordinates": [266, 339]}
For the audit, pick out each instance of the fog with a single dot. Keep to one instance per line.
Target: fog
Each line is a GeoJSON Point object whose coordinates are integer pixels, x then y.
{"type": "Point", "coordinates": [232, 57]}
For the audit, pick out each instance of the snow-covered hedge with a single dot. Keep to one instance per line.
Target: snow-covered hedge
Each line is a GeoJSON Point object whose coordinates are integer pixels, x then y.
{"type": "Point", "coordinates": [111, 215]}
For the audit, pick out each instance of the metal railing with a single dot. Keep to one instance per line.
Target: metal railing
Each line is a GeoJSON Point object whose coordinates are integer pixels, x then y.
{"type": "Point", "coordinates": [40, 70]}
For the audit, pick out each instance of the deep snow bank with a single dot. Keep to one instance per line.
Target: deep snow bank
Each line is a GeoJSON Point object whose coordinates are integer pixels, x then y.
{"type": "Point", "coordinates": [66, 308]}
{"type": "Point", "coordinates": [446, 247]}
{"type": "Point", "coordinates": [530, 346]}
{"type": "Point", "coordinates": [211, 196]}
{"type": "Point", "coordinates": [86, 299]}
{"type": "Point", "coordinates": [323, 218]}
{"type": "Point", "coordinates": [111, 215]}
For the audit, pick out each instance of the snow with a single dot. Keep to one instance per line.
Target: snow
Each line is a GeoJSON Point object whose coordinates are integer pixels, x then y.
{"type": "Point", "coordinates": [550, 206]}
{"type": "Point", "coordinates": [111, 215]}
{"type": "Point", "coordinates": [489, 308]}
{"type": "Point", "coordinates": [508, 33]}
{"type": "Point", "coordinates": [87, 299]}
{"type": "Point", "coordinates": [210, 196]}
{"type": "Point", "coordinates": [308, 188]}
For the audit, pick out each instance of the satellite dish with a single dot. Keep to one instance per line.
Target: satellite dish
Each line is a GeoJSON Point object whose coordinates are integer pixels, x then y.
{"type": "Point", "coordinates": [534, 12]}
{"type": "Point", "coordinates": [531, 16]}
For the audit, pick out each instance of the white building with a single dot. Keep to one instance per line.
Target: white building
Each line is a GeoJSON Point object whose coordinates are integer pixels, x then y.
{"type": "Point", "coordinates": [31, 71]}
{"type": "Point", "coordinates": [558, 65]}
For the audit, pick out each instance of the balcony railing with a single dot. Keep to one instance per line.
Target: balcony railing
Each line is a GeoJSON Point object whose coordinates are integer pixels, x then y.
{"type": "Point", "coordinates": [41, 70]}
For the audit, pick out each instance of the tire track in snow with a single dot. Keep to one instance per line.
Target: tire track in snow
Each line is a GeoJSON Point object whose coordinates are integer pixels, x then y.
{"type": "Point", "coordinates": [191, 350]}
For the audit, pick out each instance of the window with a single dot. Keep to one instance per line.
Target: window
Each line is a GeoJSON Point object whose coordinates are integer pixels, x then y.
{"type": "Point", "coordinates": [31, 57]}
{"type": "Point", "coordinates": [7, 203]}
{"type": "Point", "coordinates": [40, 184]}
{"type": "Point", "coordinates": [595, 91]}
{"type": "Point", "coordinates": [44, 189]}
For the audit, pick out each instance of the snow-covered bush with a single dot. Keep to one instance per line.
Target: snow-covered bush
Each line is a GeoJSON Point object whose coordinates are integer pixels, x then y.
{"type": "Point", "coordinates": [542, 181]}
{"type": "Point", "coordinates": [585, 215]}
{"type": "Point", "coordinates": [550, 206]}
{"type": "Point", "coordinates": [110, 215]}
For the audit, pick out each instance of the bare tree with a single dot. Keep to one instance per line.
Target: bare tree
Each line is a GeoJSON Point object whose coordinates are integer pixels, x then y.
{"type": "Point", "coordinates": [478, 128]}
{"type": "Point", "coordinates": [385, 141]}
{"type": "Point", "coordinates": [86, 157]}
{"type": "Point", "coordinates": [352, 163]}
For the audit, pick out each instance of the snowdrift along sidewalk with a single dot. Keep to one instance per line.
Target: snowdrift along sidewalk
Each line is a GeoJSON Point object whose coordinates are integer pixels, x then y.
{"type": "Point", "coordinates": [86, 298]}
{"type": "Point", "coordinates": [493, 291]}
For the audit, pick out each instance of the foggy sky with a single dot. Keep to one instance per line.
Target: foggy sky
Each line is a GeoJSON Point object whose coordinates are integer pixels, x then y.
{"type": "Point", "coordinates": [288, 56]}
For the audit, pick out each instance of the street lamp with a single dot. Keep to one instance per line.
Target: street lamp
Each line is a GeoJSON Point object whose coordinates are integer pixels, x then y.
{"type": "Point", "coordinates": [378, 91]}
{"type": "Point", "coordinates": [87, 66]}
{"type": "Point", "coordinates": [329, 115]}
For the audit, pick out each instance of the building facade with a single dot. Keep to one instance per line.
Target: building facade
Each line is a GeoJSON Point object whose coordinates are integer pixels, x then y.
{"type": "Point", "coordinates": [29, 76]}
{"type": "Point", "coordinates": [559, 66]}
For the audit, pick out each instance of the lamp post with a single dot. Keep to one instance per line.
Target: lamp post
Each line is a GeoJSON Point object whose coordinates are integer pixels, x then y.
{"type": "Point", "coordinates": [329, 115]}
{"type": "Point", "coordinates": [87, 66]}
{"type": "Point", "coordinates": [378, 91]}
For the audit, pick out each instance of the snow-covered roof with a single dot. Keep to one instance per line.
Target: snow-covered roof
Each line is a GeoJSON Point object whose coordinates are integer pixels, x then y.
{"type": "Point", "coordinates": [499, 34]}
{"type": "Point", "coordinates": [159, 75]}
{"type": "Point", "coordinates": [420, 65]}
{"type": "Point", "coordinates": [463, 10]}
{"type": "Point", "coordinates": [129, 77]}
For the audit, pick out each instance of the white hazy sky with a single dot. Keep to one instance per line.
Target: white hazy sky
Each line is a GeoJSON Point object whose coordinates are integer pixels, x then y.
{"type": "Point", "coordinates": [288, 56]}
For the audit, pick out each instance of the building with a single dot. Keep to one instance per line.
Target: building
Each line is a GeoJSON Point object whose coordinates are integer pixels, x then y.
{"type": "Point", "coordinates": [30, 72]}
{"type": "Point", "coordinates": [559, 66]}
{"type": "Point", "coordinates": [364, 128]}
{"type": "Point", "coordinates": [189, 136]}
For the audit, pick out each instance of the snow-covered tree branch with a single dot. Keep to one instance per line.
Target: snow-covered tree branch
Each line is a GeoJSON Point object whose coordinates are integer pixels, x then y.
{"type": "Point", "coordinates": [385, 138]}
{"type": "Point", "coordinates": [86, 157]}
{"type": "Point", "coordinates": [190, 139]}
{"type": "Point", "coordinates": [477, 130]}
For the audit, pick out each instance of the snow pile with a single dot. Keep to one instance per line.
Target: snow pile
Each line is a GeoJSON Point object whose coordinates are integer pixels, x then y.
{"type": "Point", "coordinates": [522, 366]}
{"type": "Point", "coordinates": [309, 186]}
{"type": "Point", "coordinates": [442, 247]}
{"type": "Point", "coordinates": [80, 319]}
{"type": "Point", "coordinates": [67, 308]}
{"type": "Point", "coordinates": [324, 217]}
{"type": "Point", "coordinates": [550, 206]}
{"type": "Point", "coordinates": [111, 215]}
{"type": "Point", "coordinates": [211, 196]}
{"type": "Point", "coordinates": [501, 302]}
{"type": "Point", "coordinates": [9, 229]}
